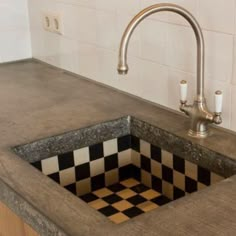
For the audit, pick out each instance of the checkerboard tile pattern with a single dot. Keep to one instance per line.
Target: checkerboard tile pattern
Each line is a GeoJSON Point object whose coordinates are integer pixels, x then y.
{"type": "Point", "coordinates": [90, 168]}
{"type": "Point", "coordinates": [125, 200]}
{"type": "Point", "coordinates": [122, 177]}
{"type": "Point", "coordinates": [168, 173]}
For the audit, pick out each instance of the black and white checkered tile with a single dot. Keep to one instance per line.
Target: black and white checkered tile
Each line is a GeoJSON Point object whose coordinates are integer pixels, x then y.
{"type": "Point", "coordinates": [167, 173]}
{"type": "Point", "coordinates": [92, 168]}
{"type": "Point", "coordinates": [125, 200]}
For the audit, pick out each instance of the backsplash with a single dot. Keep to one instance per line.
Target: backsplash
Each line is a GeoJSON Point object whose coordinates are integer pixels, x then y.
{"type": "Point", "coordinates": [15, 41]}
{"type": "Point", "coordinates": [91, 168]}
{"type": "Point", "coordinates": [162, 50]}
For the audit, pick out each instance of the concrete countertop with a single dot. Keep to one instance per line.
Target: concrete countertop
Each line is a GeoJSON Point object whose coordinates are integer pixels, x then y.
{"type": "Point", "coordinates": [39, 101]}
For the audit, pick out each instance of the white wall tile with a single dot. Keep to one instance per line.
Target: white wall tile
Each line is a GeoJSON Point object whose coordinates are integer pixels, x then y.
{"type": "Point", "coordinates": [234, 63]}
{"type": "Point", "coordinates": [85, 3]}
{"type": "Point", "coordinates": [69, 56]}
{"type": "Point", "coordinates": [162, 16]}
{"type": "Point", "coordinates": [87, 63]}
{"type": "Point", "coordinates": [106, 66]}
{"type": "Point", "coordinates": [37, 43]}
{"type": "Point", "coordinates": [154, 82]}
{"type": "Point", "coordinates": [122, 21]}
{"type": "Point", "coordinates": [79, 22]}
{"type": "Point", "coordinates": [182, 49]}
{"type": "Point", "coordinates": [219, 55]}
{"type": "Point", "coordinates": [128, 6]}
{"type": "Point", "coordinates": [154, 41]}
{"type": "Point", "coordinates": [217, 15]}
{"type": "Point", "coordinates": [127, 82]}
{"type": "Point", "coordinates": [14, 14]}
{"type": "Point", "coordinates": [106, 5]}
{"type": "Point", "coordinates": [190, 5]}
{"type": "Point", "coordinates": [162, 50]}
{"type": "Point", "coordinates": [106, 30]}
{"type": "Point", "coordinates": [50, 46]}
{"type": "Point", "coordinates": [15, 43]}
{"type": "Point", "coordinates": [233, 115]}
{"type": "Point", "coordinates": [56, 50]}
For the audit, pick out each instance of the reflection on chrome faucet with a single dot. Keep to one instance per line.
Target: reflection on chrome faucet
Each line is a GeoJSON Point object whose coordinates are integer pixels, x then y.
{"type": "Point", "coordinates": [199, 114]}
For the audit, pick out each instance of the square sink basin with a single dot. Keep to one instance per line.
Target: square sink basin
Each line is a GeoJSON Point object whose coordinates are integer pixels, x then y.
{"type": "Point", "coordinates": [125, 167]}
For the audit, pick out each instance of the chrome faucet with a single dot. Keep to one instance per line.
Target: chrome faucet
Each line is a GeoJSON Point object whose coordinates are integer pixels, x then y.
{"type": "Point", "coordinates": [199, 114]}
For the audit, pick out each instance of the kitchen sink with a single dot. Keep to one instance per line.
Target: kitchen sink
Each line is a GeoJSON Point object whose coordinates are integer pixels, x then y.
{"type": "Point", "coordinates": [126, 167]}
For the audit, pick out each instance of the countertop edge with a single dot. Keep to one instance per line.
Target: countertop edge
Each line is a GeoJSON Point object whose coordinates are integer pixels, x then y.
{"type": "Point", "coordinates": [27, 212]}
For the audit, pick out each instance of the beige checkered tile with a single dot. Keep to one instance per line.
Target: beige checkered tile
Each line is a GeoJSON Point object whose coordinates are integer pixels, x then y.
{"type": "Point", "coordinates": [81, 156]}
{"type": "Point", "coordinates": [124, 158]}
{"type": "Point", "coordinates": [129, 182]}
{"type": "Point", "coordinates": [191, 170]}
{"type": "Point", "coordinates": [103, 192]}
{"type": "Point", "coordinates": [83, 187]}
{"type": "Point", "coordinates": [167, 159]}
{"type": "Point", "coordinates": [67, 176]}
{"type": "Point", "coordinates": [200, 186]}
{"type": "Point", "coordinates": [146, 178]}
{"type": "Point", "coordinates": [135, 158]}
{"type": "Point", "coordinates": [215, 178]}
{"type": "Point", "coordinates": [112, 177]}
{"type": "Point", "coordinates": [147, 206]}
{"type": "Point", "coordinates": [179, 180]}
{"type": "Point", "coordinates": [167, 189]}
{"type": "Point", "coordinates": [156, 169]}
{"type": "Point", "coordinates": [126, 193]}
{"type": "Point", "coordinates": [145, 148]}
{"type": "Point", "coordinates": [122, 205]}
{"type": "Point", "coordinates": [97, 167]}
{"type": "Point", "coordinates": [118, 218]}
{"type": "Point", "coordinates": [98, 204]}
{"type": "Point", "coordinates": [110, 147]}
{"type": "Point", "coordinates": [150, 194]}
{"type": "Point", "coordinates": [50, 165]}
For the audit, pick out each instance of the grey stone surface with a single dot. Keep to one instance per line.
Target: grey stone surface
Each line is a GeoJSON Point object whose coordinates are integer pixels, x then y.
{"type": "Point", "coordinates": [26, 211]}
{"type": "Point", "coordinates": [194, 152]}
{"type": "Point", "coordinates": [73, 140]}
{"type": "Point", "coordinates": [39, 101]}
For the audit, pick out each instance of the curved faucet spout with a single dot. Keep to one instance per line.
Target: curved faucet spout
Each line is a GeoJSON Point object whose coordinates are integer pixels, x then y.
{"type": "Point", "coordinates": [123, 66]}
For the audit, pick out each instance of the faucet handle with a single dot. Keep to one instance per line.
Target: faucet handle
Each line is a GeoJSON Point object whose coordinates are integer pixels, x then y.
{"type": "Point", "coordinates": [218, 101]}
{"type": "Point", "coordinates": [218, 107]}
{"type": "Point", "coordinates": [183, 91]}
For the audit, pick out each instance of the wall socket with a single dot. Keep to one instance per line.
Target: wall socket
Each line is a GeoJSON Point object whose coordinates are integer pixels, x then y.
{"type": "Point", "coordinates": [52, 22]}
{"type": "Point", "coordinates": [47, 22]}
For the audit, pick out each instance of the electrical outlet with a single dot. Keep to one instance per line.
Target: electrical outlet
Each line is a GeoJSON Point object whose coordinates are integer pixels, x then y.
{"type": "Point", "coordinates": [57, 24]}
{"type": "Point", "coordinates": [47, 22]}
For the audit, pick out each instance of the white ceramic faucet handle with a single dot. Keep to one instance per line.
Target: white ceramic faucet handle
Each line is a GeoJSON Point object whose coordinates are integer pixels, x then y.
{"type": "Point", "coordinates": [183, 90]}
{"type": "Point", "coordinates": [218, 101]}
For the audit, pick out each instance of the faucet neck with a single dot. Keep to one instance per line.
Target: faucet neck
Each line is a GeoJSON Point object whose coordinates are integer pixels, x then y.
{"type": "Point", "coordinates": [123, 67]}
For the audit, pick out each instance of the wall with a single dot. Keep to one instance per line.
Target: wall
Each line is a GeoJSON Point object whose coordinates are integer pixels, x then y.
{"type": "Point", "coordinates": [14, 29]}
{"type": "Point", "coordinates": [162, 50]}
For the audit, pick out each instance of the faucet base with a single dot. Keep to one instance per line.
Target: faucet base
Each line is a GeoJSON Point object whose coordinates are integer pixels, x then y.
{"type": "Point", "coordinates": [200, 134]}
{"type": "Point", "coordinates": [200, 117]}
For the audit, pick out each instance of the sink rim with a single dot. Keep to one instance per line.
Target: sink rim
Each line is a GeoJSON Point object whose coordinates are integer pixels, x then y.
{"type": "Point", "coordinates": [194, 152]}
